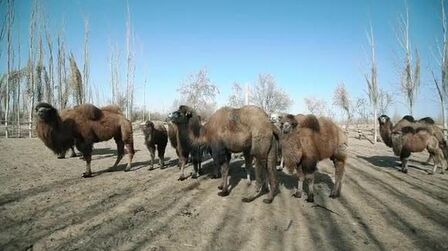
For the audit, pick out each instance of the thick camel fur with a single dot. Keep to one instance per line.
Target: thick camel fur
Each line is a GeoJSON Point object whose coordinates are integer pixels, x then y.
{"type": "Point", "coordinates": [305, 141]}
{"type": "Point", "coordinates": [248, 130]}
{"type": "Point", "coordinates": [156, 136]}
{"type": "Point", "coordinates": [182, 128]}
{"type": "Point", "coordinates": [408, 138]}
{"type": "Point", "coordinates": [83, 126]}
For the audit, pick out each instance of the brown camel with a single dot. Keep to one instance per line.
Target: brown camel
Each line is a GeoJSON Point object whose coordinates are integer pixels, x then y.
{"type": "Point", "coordinates": [83, 126]}
{"type": "Point", "coordinates": [155, 136]}
{"type": "Point", "coordinates": [428, 124]}
{"type": "Point", "coordinates": [184, 145]}
{"type": "Point", "coordinates": [305, 141]}
{"type": "Point", "coordinates": [229, 130]}
{"type": "Point", "coordinates": [405, 140]}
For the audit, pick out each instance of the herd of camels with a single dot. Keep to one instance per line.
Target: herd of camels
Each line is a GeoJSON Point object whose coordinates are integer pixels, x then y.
{"type": "Point", "coordinates": [300, 141]}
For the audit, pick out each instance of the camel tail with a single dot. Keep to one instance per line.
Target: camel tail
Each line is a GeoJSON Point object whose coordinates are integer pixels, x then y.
{"type": "Point", "coordinates": [127, 135]}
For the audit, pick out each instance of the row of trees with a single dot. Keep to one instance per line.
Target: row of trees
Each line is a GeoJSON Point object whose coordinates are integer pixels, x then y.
{"type": "Point", "coordinates": [199, 92]}
{"type": "Point", "coordinates": [51, 72]}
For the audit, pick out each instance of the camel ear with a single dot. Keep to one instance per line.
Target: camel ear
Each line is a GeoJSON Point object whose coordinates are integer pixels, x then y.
{"type": "Point", "coordinates": [189, 114]}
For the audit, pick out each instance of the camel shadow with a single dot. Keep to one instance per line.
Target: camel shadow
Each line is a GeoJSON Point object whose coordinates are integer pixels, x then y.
{"type": "Point", "coordinates": [391, 162]}
{"type": "Point", "coordinates": [289, 181]}
{"type": "Point", "coordinates": [120, 168]}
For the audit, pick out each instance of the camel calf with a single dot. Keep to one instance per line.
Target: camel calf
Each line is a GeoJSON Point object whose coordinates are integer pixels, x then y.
{"type": "Point", "coordinates": [308, 140]}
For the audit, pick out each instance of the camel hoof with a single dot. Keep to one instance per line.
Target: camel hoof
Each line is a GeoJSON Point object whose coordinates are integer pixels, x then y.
{"type": "Point", "coordinates": [151, 168]}
{"type": "Point", "coordinates": [246, 200]}
{"type": "Point", "coordinates": [310, 199]}
{"type": "Point", "coordinates": [195, 176]}
{"type": "Point", "coordinates": [87, 175]}
{"type": "Point", "coordinates": [223, 193]}
{"type": "Point", "coordinates": [297, 194]}
{"type": "Point", "coordinates": [404, 170]}
{"type": "Point", "coordinates": [248, 183]}
{"type": "Point", "coordinates": [334, 194]}
{"type": "Point", "coordinates": [430, 172]}
{"type": "Point", "coordinates": [220, 187]}
{"type": "Point", "coordinates": [182, 178]}
{"type": "Point", "coordinates": [268, 201]}
{"type": "Point", "coordinates": [73, 155]}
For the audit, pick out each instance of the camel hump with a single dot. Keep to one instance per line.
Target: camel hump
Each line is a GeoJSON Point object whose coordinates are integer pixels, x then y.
{"type": "Point", "coordinates": [427, 120]}
{"type": "Point", "coordinates": [409, 118]}
{"type": "Point", "coordinates": [310, 121]}
{"type": "Point", "coordinates": [90, 111]}
{"type": "Point", "coordinates": [112, 108]}
{"type": "Point", "coordinates": [408, 129]}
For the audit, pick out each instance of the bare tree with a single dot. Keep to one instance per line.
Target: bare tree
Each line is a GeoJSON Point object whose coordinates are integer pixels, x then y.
{"type": "Point", "coordinates": [410, 77]}
{"type": "Point", "coordinates": [237, 98]}
{"type": "Point", "coordinates": [31, 63]}
{"type": "Point", "coordinates": [442, 85]}
{"type": "Point", "coordinates": [86, 67]}
{"type": "Point", "coordinates": [115, 73]}
{"type": "Point", "coordinates": [10, 21]}
{"type": "Point", "coordinates": [372, 84]}
{"type": "Point", "coordinates": [199, 92]}
{"type": "Point", "coordinates": [316, 106]}
{"type": "Point", "coordinates": [50, 90]}
{"type": "Point", "coordinates": [385, 100]}
{"type": "Point", "coordinates": [341, 99]}
{"type": "Point", "coordinates": [63, 84]}
{"type": "Point", "coordinates": [269, 96]}
{"type": "Point", "coordinates": [130, 65]}
{"type": "Point", "coordinates": [76, 81]}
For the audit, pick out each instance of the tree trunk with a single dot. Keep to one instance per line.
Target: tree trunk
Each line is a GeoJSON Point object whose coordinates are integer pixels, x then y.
{"type": "Point", "coordinates": [375, 126]}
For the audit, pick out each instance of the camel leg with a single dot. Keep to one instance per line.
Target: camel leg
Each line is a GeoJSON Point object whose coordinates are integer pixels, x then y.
{"type": "Point", "coordinates": [310, 179]}
{"type": "Point", "coordinates": [225, 174]}
{"type": "Point", "coordinates": [430, 158]}
{"type": "Point", "coordinates": [339, 174]}
{"type": "Point", "coordinates": [404, 165]}
{"type": "Point", "coordinates": [183, 161]}
{"type": "Point", "coordinates": [73, 153]}
{"type": "Point", "coordinates": [282, 164]}
{"type": "Point", "coordinates": [152, 151]}
{"type": "Point", "coordinates": [88, 159]}
{"type": "Point", "coordinates": [248, 165]}
{"type": "Point", "coordinates": [437, 155]}
{"type": "Point", "coordinates": [260, 168]}
{"type": "Point", "coordinates": [120, 153]}
{"type": "Point", "coordinates": [301, 178]}
{"type": "Point", "coordinates": [131, 152]}
{"type": "Point", "coordinates": [272, 178]}
{"type": "Point", "coordinates": [196, 157]}
{"type": "Point", "coordinates": [161, 154]}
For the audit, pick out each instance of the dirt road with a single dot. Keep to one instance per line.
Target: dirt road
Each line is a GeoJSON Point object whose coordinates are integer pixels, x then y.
{"type": "Point", "coordinates": [46, 205]}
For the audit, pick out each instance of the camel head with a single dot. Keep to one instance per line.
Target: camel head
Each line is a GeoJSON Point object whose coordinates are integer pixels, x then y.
{"type": "Point", "coordinates": [275, 117]}
{"type": "Point", "coordinates": [383, 120]}
{"type": "Point", "coordinates": [288, 123]}
{"type": "Point", "coordinates": [46, 112]}
{"type": "Point", "coordinates": [182, 115]}
{"type": "Point", "coordinates": [147, 129]}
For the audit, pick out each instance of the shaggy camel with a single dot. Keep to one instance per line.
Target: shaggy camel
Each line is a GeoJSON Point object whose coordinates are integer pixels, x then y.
{"type": "Point", "coordinates": [184, 145]}
{"type": "Point", "coordinates": [405, 140]}
{"type": "Point", "coordinates": [305, 141]}
{"type": "Point", "coordinates": [428, 124]}
{"type": "Point", "coordinates": [83, 126]}
{"type": "Point", "coordinates": [155, 135]}
{"type": "Point", "coordinates": [227, 131]}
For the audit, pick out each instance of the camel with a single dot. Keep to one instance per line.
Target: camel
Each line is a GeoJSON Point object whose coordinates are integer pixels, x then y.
{"type": "Point", "coordinates": [229, 130]}
{"type": "Point", "coordinates": [405, 140]}
{"type": "Point", "coordinates": [178, 132]}
{"type": "Point", "coordinates": [155, 135]}
{"type": "Point", "coordinates": [83, 126]}
{"type": "Point", "coordinates": [427, 123]}
{"type": "Point", "coordinates": [305, 141]}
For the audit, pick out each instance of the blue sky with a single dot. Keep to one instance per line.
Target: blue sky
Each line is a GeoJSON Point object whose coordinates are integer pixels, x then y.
{"type": "Point", "coordinates": [309, 46]}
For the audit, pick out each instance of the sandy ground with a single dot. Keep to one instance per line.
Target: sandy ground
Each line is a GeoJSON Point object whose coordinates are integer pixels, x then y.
{"type": "Point", "coordinates": [46, 205]}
